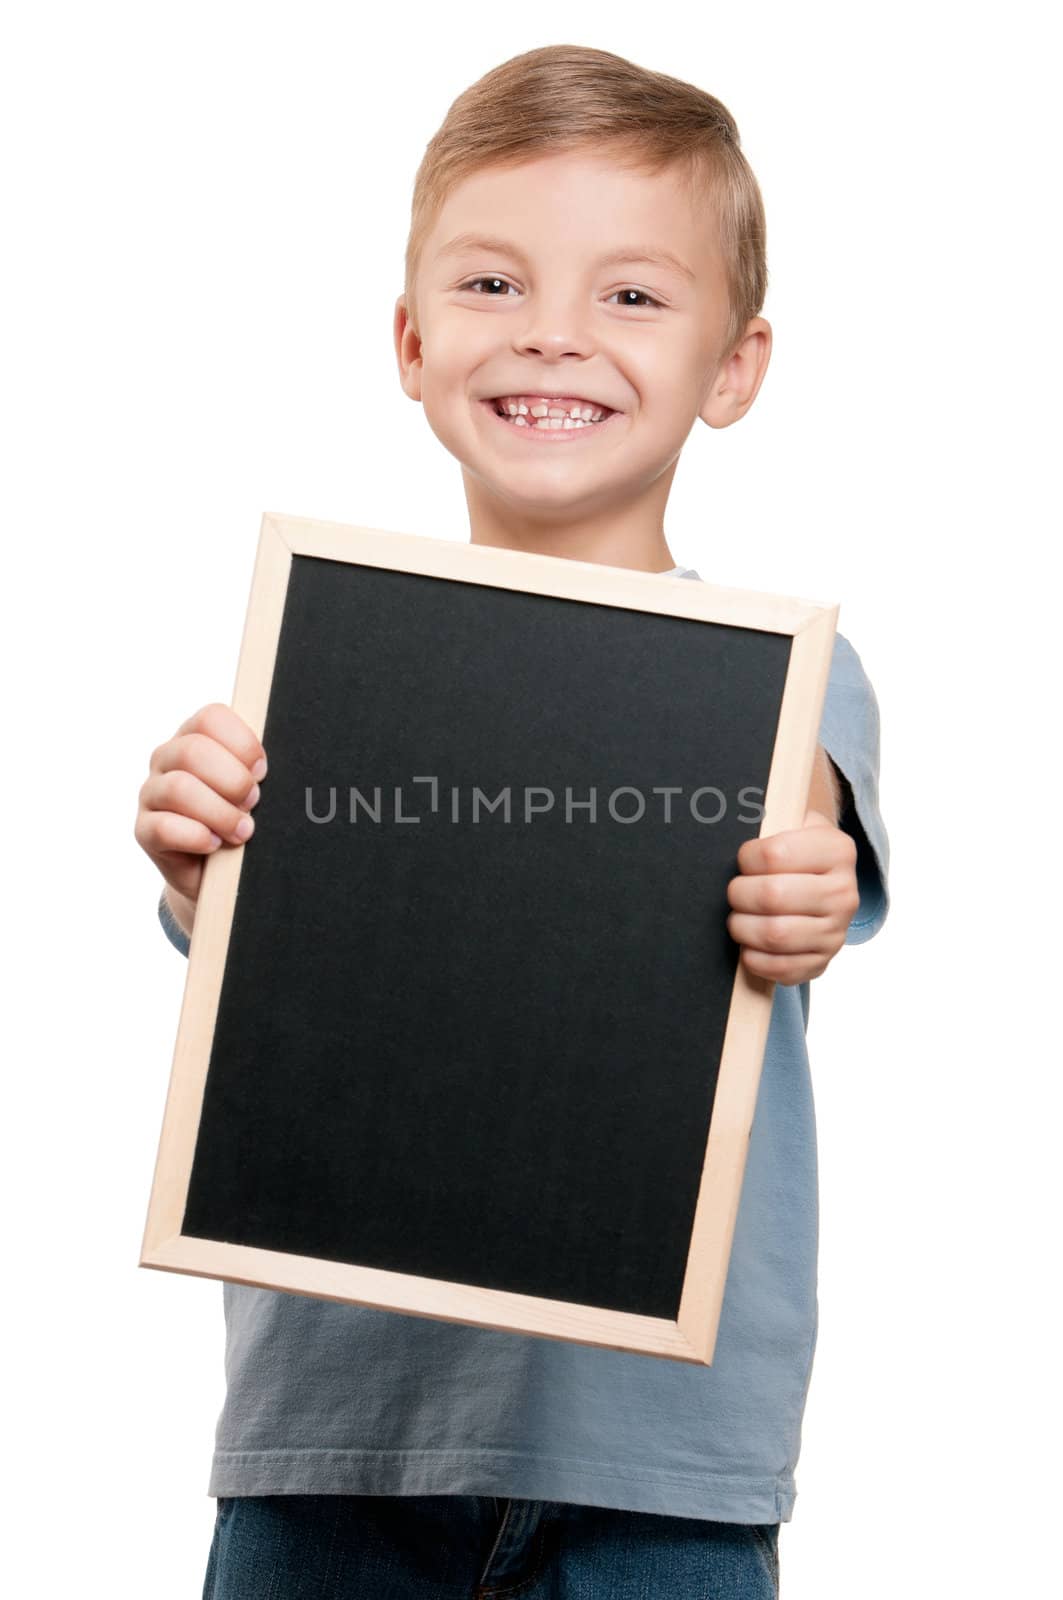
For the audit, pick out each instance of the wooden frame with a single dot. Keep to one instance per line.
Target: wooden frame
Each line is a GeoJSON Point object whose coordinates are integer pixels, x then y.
{"type": "Point", "coordinates": [692, 1337]}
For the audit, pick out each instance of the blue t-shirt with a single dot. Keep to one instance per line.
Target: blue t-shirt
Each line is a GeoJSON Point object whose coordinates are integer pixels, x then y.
{"type": "Point", "coordinates": [325, 1398]}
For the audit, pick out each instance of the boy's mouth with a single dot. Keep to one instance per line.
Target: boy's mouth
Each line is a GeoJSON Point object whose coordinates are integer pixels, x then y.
{"type": "Point", "coordinates": [548, 419]}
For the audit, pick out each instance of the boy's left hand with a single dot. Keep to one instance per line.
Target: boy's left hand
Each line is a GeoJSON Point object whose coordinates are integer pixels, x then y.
{"type": "Point", "coordinates": [793, 900]}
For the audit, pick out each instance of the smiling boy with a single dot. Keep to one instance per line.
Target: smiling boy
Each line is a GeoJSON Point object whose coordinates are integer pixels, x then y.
{"type": "Point", "coordinates": [585, 274]}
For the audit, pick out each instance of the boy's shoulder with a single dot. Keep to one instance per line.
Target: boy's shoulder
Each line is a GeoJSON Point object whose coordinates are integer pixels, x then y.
{"type": "Point", "coordinates": [846, 667]}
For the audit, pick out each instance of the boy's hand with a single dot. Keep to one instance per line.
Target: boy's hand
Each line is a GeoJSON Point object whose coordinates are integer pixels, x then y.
{"type": "Point", "coordinates": [201, 786]}
{"type": "Point", "coordinates": [793, 900]}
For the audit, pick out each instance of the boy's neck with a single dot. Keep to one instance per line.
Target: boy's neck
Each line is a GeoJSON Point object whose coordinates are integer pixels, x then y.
{"type": "Point", "coordinates": [629, 538]}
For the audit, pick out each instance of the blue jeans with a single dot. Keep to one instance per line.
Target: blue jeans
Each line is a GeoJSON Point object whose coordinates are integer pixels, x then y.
{"type": "Point", "coordinates": [469, 1547]}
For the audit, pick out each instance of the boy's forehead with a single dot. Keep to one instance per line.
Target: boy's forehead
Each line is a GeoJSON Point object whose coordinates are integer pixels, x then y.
{"type": "Point", "coordinates": [585, 204]}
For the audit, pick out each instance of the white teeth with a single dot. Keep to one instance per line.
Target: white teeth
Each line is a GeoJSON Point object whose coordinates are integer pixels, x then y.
{"type": "Point", "coordinates": [549, 415]}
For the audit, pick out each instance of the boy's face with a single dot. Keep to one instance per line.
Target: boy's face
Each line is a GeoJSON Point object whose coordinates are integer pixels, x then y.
{"type": "Point", "coordinates": [561, 319]}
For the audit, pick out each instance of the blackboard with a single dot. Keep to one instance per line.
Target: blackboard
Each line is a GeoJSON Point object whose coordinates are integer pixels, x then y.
{"type": "Point", "coordinates": [464, 1031]}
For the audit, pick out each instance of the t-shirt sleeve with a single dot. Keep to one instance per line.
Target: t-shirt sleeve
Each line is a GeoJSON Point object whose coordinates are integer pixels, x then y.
{"type": "Point", "coordinates": [849, 732]}
{"type": "Point", "coordinates": [173, 929]}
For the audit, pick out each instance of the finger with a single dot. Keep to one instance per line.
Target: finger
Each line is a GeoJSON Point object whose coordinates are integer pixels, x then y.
{"type": "Point", "coordinates": [163, 833]}
{"type": "Point", "coordinates": [783, 969]}
{"type": "Point", "coordinates": [183, 793]}
{"type": "Point", "coordinates": [813, 849]}
{"type": "Point", "coordinates": [222, 723]}
{"type": "Point", "coordinates": [203, 756]}
{"type": "Point", "coordinates": [779, 893]}
{"type": "Point", "coordinates": [782, 935]}
{"type": "Point", "coordinates": [831, 901]}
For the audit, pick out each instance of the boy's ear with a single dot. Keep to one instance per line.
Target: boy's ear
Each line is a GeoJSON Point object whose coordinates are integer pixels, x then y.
{"type": "Point", "coordinates": [735, 382]}
{"type": "Point", "coordinates": [407, 350]}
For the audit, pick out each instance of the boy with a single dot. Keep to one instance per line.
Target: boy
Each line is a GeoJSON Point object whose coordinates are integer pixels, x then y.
{"type": "Point", "coordinates": [584, 277]}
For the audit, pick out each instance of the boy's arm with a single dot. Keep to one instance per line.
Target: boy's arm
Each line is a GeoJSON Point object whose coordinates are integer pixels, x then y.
{"type": "Point", "coordinates": [849, 735]}
{"type": "Point", "coordinates": [800, 895]}
{"type": "Point", "coordinates": [825, 790]}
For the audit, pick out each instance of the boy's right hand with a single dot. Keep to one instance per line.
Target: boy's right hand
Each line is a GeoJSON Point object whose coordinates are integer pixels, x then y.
{"type": "Point", "coordinates": [200, 787]}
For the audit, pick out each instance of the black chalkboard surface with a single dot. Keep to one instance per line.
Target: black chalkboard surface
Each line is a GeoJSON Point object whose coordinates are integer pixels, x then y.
{"type": "Point", "coordinates": [464, 1032]}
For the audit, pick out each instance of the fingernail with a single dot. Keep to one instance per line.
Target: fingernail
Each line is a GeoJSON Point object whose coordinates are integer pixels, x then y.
{"type": "Point", "coordinates": [258, 771]}
{"type": "Point", "coordinates": [244, 828]}
{"type": "Point", "coordinates": [215, 838]}
{"type": "Point", "coordinates": [252, 797]}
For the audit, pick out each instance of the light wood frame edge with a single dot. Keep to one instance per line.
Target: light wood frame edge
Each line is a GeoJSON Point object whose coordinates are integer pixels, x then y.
{"type": "Point", "coordinates": [214, 913]}
{"type": "Point", "coordinates": [749, 1016]}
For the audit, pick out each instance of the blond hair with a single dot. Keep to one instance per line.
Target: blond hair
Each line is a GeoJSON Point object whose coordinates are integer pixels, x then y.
{"type": "Point", "coordinates": [565, 97]}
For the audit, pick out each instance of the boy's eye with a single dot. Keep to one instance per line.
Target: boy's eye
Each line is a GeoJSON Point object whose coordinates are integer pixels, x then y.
{"type": "Point", "coordinates": [641, 293]}
{"type": "Point", "coordinates": [473, 281]}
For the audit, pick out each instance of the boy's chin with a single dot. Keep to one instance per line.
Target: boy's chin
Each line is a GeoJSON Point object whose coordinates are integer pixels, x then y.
{"type": "Point", "coordinates": [551, 501]}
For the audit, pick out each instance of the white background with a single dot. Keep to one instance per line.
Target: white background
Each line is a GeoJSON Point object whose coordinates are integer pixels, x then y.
{"type": "Point", "coordinates": [204, 211]}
